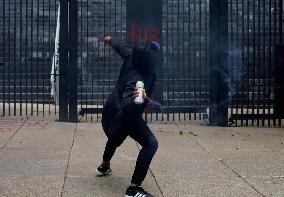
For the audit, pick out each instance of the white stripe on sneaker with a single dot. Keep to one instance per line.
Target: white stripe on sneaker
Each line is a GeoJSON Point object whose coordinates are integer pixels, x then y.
{"type": "Point", "coordinates": [137, 195]}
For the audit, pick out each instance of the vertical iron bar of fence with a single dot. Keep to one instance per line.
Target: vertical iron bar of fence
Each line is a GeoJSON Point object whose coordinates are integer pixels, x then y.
{"type": "Point", "coordinates": [115, 35]}
{"type": "Point", "coordinates": [63, 61]}
{"type": "Point", "coordinates": [37, 56]}
{"type": "Point", "coordinates": [56, 10]}
{"type": "Point", "coordinates": [162, 58]}
{"type": "Point", "coordinates": [238, 60]}
{"type": "Point", "coordinates": [9, 56]}
{"type": "Point", "coordinates": [231, 57]}
{"type": "Point", "coordinates": [4, 59]}
{"type": "Point", "coordinates": [264, 62]}
{"type": "Point", "coordinates": [104, 55]}
{"type": "Point", "coordinates": [173, 62]}
{"type": "Point", "coordinates": [278, 109]}
{"type": "Point", "coordinates": [15, 55]}
{"type": "Point", "coordinates": [93, 54]}
{"type": "Point", "coordinates": [109, 66]}
{"type": "Point", "coordinates": [206, 56]}
{"type": "Point", "coordinates": [108, 19]}
{"type": "Point", "coordinates": [32, 56]}
{"type": "Point", "coordinates": [234, 53]}
{"type": "Point", "coordinates": [274, 63]}
{"type": "Point", "coordinates": [253, 62]}
{"type": "Point", "coordinates": [87, 56]}
{"type": "Point", "coordinates": [121, 19]}
{"type": "Point", "coordinates": [73, 59]}
{"type": "Point", "coordinates": [218, 62]}
{"type": "Point", "coordinates": [280, 40]}
{"type": "Point", "coordinates": [248, 61]}
{"type": "Point", "coordinates": [49, 43]}
{"type": "Point", "coordinates": [20, 54]}
{"type": "Point", "coordinates": [81, 53]}
{"type": "Point", "coordinates": [178, 58]}
{"type": "Point", "coordinates": [145, 12]}
{"type": "Point", "coordinates": [43, 56]}
{"type": "Point", "coordinates": [200, 60]}
{"type": "Point", "coordinates": [189, 59]}
{"type": "Point", "coordinates": [281, 23]}
{"type": "Point", "coordinates": [98, 59]}
{"type": "Point", "coordinates": [183, 58]}
{"type": "Point", "coordinates": [194, 57]}
{"type": "Point", "coordinates": [116, 61]}
{"type": "Point", "coordinates": [26, 56]}
{"type": "Point", "coordinates": [259, 64]}
{"type": "Point", "coordinates": [42, 45]}
{"type": "Point", "coordinates": [243, 62]}
{"type": "Point", "coordinates": [167, 60]}
{"type": "Point", "coordinates": [269, 63]}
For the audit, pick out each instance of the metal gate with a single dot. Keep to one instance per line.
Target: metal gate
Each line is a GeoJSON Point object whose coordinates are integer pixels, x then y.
{"type": "Point", "coordinates": [255, 37]}
{"type": "Point", "coordinates": [254, 83]}
{"type": "Point", "coordinates": [27, 30]}
{"type": "Point", "coordinates": [98, 65]}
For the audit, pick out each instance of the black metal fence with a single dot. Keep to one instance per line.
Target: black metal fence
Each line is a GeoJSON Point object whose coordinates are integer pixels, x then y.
{"type": "Point", "coordinates": [255, 31]}
{"type": "Point", "coordinates": [28, 30]}
{"type": "Point", "coordinates": [185, 37]}
{"type": "Point", "coordinates": [185, 56]}
{"type": "Point", "coordinates": [98, 66]}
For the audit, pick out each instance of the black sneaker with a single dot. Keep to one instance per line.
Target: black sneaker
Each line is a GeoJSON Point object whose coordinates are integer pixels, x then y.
{"type": "Point", "coordinates": [136, 192]}
{"type": "Point", "coordinates": [103, 170]}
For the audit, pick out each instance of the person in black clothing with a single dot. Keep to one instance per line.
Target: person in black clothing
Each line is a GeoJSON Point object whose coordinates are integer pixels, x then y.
{"type": "Point", "coordinates": [122, 117]}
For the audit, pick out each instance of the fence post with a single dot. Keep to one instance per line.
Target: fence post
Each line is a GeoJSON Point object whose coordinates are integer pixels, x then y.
{"type": "Point", "coordinates": [144, 21]}
{"type": "Point", "coordinates": [279, 81]}
{"type": "Point", "coordinates": [281, 8]}
{"type": "Point", "coordinates": [63, 61]}
{"type": "Point", "coordinates": [218, 63]}
{"type": "Point", "coordinates": [73, 59]}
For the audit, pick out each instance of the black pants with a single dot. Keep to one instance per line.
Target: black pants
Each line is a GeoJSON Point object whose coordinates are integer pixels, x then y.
{"type": "Point", "coordinates": [140, 132]}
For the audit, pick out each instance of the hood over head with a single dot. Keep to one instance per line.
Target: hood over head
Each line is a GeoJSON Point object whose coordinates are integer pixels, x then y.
{"type": "Point", "coordinates": [145, 56]}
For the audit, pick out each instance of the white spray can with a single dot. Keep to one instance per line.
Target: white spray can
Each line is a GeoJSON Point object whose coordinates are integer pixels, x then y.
{"type": "Point", "coordinates": [140, 87]}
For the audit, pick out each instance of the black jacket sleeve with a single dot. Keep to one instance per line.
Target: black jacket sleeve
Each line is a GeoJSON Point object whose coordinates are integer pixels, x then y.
{"type": "Point", "coordinates": [121, 48]}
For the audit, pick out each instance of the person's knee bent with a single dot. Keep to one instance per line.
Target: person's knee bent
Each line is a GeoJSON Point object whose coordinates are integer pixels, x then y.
{"type": "Point", "coordinates": [114, 137]}
{"type": "Point", "coordinates": [153, 144]}
{"type": "Point", "coordinates": [116, 142]}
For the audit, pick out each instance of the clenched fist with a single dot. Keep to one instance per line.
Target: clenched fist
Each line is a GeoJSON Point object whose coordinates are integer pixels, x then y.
{"type": "Point", "coordinates": [108, 39]}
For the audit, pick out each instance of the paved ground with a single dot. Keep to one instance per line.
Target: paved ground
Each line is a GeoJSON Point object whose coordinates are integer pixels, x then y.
{"type": "Point", "coordinates": [48, 158]}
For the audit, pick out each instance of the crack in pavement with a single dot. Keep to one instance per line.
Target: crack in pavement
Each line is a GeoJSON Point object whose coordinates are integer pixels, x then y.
{"type": "Point", "coordinates": [68, 161]}
{"type": "Point", "coordinates": [13, 135]}
{"type": "Point", "coordinates": [227, 166]}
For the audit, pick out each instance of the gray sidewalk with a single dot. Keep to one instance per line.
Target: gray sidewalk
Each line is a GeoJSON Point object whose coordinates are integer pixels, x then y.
{"type": "Point", "coordinates": [48, 158]}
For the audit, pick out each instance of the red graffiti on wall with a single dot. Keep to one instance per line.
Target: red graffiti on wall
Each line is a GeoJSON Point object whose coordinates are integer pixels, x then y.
{"type": "Point", "coordinates": [144, 33]}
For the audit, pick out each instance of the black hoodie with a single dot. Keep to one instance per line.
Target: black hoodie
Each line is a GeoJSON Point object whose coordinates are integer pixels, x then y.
{"type": "Point", "coordinates": [138, 65]}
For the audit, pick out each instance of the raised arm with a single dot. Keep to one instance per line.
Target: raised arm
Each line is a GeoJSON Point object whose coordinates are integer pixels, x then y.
{"type": "Point", "coordinates": [119, 46]}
